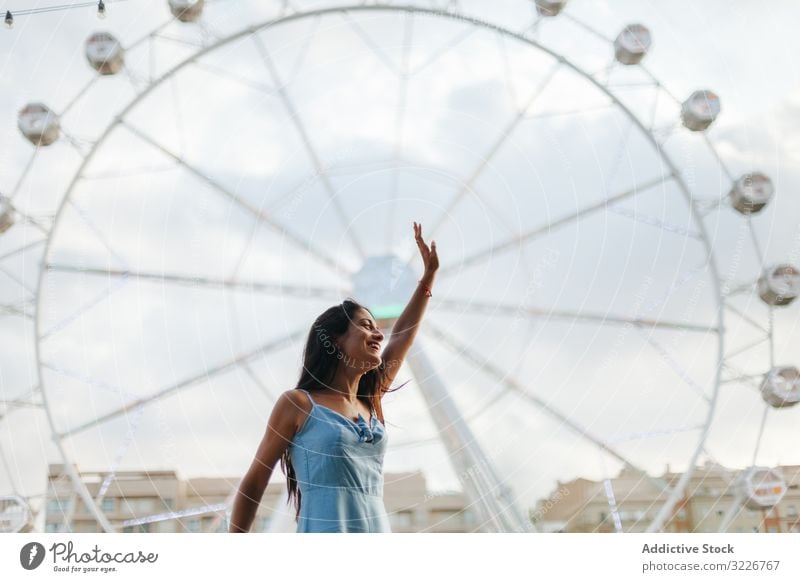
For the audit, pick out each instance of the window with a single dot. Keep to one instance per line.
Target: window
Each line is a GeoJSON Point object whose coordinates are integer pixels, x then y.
{"type": "Point", "coordinates": [53, 527]}
{"type": "Point", "coordinates": [57, 506]}
{"type": "Point", "coordinates": [469, 517]}
{"type": "Point", "coordinates": [138, 506]}
{"type": "Point", "coordinates": [142, 505]}
{"type": "Point", "coordinates": [791, 511]}
{"type": "Point", "coordinates": [602, 516]}
{"type": "Point", "coordinates": [192, 525]}
{"type": "Point", "coordinates": [108, 505]}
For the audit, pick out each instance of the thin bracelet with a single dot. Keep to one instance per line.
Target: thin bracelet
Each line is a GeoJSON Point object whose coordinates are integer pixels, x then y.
{"type": "Point", "coordinates": [427, 289]}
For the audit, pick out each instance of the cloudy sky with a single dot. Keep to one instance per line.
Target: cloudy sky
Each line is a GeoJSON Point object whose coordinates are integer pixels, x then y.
{"type": "Point", "coordinates": [209, 169]}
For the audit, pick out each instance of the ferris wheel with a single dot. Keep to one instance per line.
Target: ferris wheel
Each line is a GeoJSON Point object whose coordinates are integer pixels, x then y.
{"type": "Point", "coordinates": [593, 234]}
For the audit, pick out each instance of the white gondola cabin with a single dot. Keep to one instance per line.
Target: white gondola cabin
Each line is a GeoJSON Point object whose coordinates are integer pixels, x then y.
{"type": "Point", "coordinates": [186, 10]}
{"type": "Point", "coordinates": [779, 285]}
{"type": "Point", "coordinates": [751, 192]}
{"type": "Point", "coordinates": [632, 44]}
{"type": "Point", "coordinates": [781, 387]}
{"type": "Point", "coordinates": [38, 124]}
{"type": "Point", "coordinates": [700, 110]}
{"type": "Point", "coordinates": [105, 53]}
{"type": "Point", "coordinates": [549, 7]}
{"type": "Point", "coordinates": [761, 487]}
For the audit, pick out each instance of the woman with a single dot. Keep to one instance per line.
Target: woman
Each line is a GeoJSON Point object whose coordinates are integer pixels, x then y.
{"type": "Point", "coordinates": [333, 456]}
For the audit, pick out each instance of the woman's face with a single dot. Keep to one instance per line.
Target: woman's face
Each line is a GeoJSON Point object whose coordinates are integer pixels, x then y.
{"type": "Point", "coordinates": [362, 342]}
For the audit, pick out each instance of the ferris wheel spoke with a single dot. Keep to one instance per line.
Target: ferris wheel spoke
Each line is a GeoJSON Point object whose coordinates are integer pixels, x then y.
{"type": "Point", "coordinates": [705, 206]}
{"type": "Point", "coordinates": [760, 434]}
{"type": "Point", "coordinates": [19, 403]}
{"type": "Point", "coordinates": [532, 28]}
{"type": "Point", "coordinates": [719, 159]}
{"type": "Point", "coordinates": [488, 253]}
{"type": "Point", "coordinates": [653, 433]}
{"type": "Point", "coordinates": [78, 96]}
{"type": "Point", "coordinates": [226, 74]}
{"type": "Point", "coordinates": [301, 57]}
{"type": "Point", "coordinates": [590, 29]}
{"type": "Point", "coordinates": [188, 382]}
{"type": "Point", "coordinates": [746, 347]}
{"type": "Point", "coordinates": [750, 380]}
{"type": "Point", "coordinates": [399, 123]}
{"type": "Point", "coordinates": [11, 475]}
{"type": "Point", "coordinates": [682, 374]}
{"type": "Point", "coordinates": [256, 380]}
{"type": "Point", "coordinates": [468, 418]}
{"type": "Point", "coordinates": [179, 41]}
{"type": "Point", "coordinates": [17, 280]}
{"type": "Point", "coordinates": [133, 172]}
{"type": "Point", "coordinates": [17, 311]}
{"type": "Point", "coordinates": [171, 515]}
{"type": "Point", "coordinates": [657, 222]}
{"type": "Point", "coordinates": [34, 222]}
{"type": "Point", "coordinates": [371, 44]}
{"type": "Point", "coordinates": [61, 324]}
{"type": "Point", "coordinates": [276, 289]}
{"type": "Point", "coordinates": [28, 165]}
{"type": "Point", "coordinates": [287, 7]}
{"type": "Point", "coordinates": [746, 317]}
{"type": "Point", "coordinates": [568, 112]}
{"type": "Point", "coordinates": [306, 139]}
{"type": "Point", "coordinates": [438, 53]}
{"type": "Point", "coordinates": [133, 426]}
{"type": "Point", "coordinates": [97, 232]}
{"type": "Point", "coordinates": [494, 149]}
{"type": "Point", "coordinates": [256, 212]}
{"type": "Point", "coordinates": [754, 238]}
{"type": "Point", "coordinates": [486, 366]}
{"type": "Point", "coordinates": [464, 305]}
{"type": "Point", "coordinates": [741, 288]}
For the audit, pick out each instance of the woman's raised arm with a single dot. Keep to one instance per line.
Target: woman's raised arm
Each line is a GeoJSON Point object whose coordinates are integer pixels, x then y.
{"type": "Point", "coordinates": [405, 328]}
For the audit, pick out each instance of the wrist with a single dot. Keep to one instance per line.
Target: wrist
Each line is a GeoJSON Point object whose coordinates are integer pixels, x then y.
{"type": "Point", "coordinates": [427, 278]}
{"type": "Point", "coordinates": [426, 287]}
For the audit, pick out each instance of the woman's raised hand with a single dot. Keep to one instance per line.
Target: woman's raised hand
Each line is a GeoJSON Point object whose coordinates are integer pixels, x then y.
{"type": "Point", "coordinates": [429, 257]}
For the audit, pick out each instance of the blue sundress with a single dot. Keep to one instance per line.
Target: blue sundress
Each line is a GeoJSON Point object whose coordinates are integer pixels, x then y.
{"type": "Point", "coordinates": [338, 464]}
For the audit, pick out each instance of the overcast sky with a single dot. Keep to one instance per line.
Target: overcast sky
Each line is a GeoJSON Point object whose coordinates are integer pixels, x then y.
{"type": "Point", "coordinates": [111, 340]}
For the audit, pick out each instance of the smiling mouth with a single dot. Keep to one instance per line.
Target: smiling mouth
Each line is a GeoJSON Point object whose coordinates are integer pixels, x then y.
{"type": "Point", "coordinates": [374, 346]}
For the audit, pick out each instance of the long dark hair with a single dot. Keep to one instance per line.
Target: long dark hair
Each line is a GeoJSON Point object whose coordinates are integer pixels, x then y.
{"type": "Point", "coordinates": [321, 358]}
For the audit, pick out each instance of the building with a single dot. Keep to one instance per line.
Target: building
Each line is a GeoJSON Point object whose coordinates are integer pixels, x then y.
{"type": "Point", "coordinates": [630, 501]}
{"type": "Point", "coordinates": [161, 502]}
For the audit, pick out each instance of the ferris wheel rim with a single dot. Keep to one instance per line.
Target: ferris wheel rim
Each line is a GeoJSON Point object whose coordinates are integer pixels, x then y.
{"type": "Point", "coordinates": [414, 9]}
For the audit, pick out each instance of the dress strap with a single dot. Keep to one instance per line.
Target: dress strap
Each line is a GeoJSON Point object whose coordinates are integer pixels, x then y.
{"type": "Point", "coordinates": [309, 396]}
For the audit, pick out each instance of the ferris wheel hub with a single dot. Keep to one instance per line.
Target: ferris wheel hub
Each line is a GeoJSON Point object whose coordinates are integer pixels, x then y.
{"type": "Point", "coordinates": [384, 284]}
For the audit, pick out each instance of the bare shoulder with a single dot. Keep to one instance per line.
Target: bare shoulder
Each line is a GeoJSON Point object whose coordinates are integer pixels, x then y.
{"type": "Point", "coordinates": [295, 403]}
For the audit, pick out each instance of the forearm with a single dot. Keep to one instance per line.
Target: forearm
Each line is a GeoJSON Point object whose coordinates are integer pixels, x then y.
{"type": "Point", "coordinates": [408, 322]}
{"type": "Point", "coordinates": [245, 507]}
